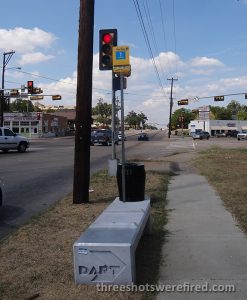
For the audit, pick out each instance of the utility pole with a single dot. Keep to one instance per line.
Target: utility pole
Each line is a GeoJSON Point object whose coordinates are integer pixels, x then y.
{"type": "Point", "coordinates": [5, 62]}
{"type": "Point", "coordinates": [171, 104]}
{"type": "Point", "coordinates": [83, 103]}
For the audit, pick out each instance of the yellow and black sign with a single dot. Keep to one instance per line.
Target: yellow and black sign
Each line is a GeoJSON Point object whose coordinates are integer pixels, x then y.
{"type": "Point", "coordinates": [32, 98]}
{"type": "Point", "coordinates": [219, 98]}
{"type": "Point", "coordinates": [125, 70]}
{"type": "Point", "coordinates": [120, 56]}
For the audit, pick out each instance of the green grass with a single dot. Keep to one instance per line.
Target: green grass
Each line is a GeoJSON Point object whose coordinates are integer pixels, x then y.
{"type": "Point", "coordinates": [226, 170]}
{"type": "Point", "coordinates": [38, 257]}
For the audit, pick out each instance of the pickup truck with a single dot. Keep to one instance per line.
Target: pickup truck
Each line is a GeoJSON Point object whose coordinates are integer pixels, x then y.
{"type": "Point", "coordinates": [11, 141]}
{"type": "Point", "coordinates": [242, 135]}
{"type": "Point", "coordinates": [101, 136]}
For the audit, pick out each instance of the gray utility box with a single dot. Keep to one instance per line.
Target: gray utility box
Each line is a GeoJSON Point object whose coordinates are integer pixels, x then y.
{"type": "Point", "coordinates": [105, 252]}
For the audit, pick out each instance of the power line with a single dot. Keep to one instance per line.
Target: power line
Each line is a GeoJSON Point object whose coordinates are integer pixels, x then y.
{"type": "Point", "coordinates": [139, 14]}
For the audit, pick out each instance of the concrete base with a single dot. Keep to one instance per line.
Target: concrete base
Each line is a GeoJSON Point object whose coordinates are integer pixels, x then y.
{"type": "Point", "coordinates": [105, 252]}
{"type": "Point", "coordinates": [112, 167]}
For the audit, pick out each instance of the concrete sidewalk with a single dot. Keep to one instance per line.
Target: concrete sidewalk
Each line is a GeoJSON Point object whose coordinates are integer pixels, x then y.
{"type": "Point", "coordinates": [203, 243]}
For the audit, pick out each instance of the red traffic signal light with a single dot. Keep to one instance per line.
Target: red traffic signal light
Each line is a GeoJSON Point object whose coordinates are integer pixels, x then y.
{"type": "Point", "coordinates": [107, 39]}
{"type": "Point", "coordinates": [30, 87]}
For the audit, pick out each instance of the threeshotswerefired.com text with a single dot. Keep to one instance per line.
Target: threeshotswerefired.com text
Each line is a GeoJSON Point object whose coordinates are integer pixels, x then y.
{"type": "Point", "coordinates": [185, 287]}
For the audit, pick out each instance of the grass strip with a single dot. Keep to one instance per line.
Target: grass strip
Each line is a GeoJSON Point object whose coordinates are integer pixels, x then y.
{"type": "Point", "coordinates": [226, 170]}
{"type": "Point", "coordinates": [37, 260]}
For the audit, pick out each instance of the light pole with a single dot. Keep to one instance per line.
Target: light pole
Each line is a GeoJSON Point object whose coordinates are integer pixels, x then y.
{"type": "Point", "coordinates": [6, 58]}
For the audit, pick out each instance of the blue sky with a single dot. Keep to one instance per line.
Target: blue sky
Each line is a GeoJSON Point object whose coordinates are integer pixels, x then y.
{"type": "Point", "coordinates": [203, 43]}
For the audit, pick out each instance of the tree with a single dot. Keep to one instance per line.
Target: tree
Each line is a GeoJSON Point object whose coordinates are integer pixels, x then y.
{"type": "Point", "coordinates": [135, 120]}
{"type": "Point", "coordinates": [103, 111]}
{"type": "Point", "coordinates": [220, 113]}
{"type": "Point", "coordinates": [233, 108]}
{"type": "Point", "coordinates": [186, 114]}
{"type": "Point", "coordinates": [242, 113]}
{"type": "Point", "coordinates": [22, 106]}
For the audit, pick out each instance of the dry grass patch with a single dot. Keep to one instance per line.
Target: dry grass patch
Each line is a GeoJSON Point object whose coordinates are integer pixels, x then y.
{"type": "Point", "coordinates": [226, 170]}
{"type": "Point", "coordinates": [37, 260]}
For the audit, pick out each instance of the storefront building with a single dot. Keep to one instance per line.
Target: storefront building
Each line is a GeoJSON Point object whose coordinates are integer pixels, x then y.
{"type": "Point", "coordinates": [217, 126]}
{"type": "Point", "coordinates": [36, 124]}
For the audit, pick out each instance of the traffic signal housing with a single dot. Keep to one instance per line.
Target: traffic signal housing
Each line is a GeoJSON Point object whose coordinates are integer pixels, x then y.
{"type": "Point", "coordinates": [30, 87]}
{"type": "Point", "coordinates": [107, 39]}
{"type": "Point", "coordinates": [56, 97]}
{"type": "Point", "coordinates": [183, 102]}
{"type": "Point", "coordinates": [219, 98]}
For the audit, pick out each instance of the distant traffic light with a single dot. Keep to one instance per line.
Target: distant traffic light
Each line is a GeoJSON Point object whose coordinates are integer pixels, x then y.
{"type": "Point", "coordinates": [183, 102]}
{"type": "Point", "coordinates": [107, 39]}
{"type": "Point", "coordinates": [219, 98]}
{"type": "Point", "coordinates": [14, 93]}
{"type": "Point", "coordinates": [30, 87]}
{"type": "Point", "coordinates": [37, 90]}
{"type": "Point", "coordinates": [56, 97]}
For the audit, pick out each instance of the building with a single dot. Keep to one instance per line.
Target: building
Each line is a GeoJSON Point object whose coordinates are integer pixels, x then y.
{"type": "Point", "coordinates": [217, 126]}
{"type": "Point", "coordinates": [36, 124]}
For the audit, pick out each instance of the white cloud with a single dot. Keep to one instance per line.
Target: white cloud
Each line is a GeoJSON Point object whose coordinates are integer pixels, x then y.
{"type": "Point", "coordinates": [205, 62]}
{"type": "Point", "coordinates": [25, 40]}
{"type": "Point", "coordinates": [143, 92]}
{"type": "Point", "coordinates": [33, 58]}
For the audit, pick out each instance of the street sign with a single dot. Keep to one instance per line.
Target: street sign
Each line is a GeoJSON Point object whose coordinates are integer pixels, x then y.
{"type": "Point", "coordinates": [23, 95]}
{"type": "Point", "coordinates": [120, 56]}
{"type": "Point", "coordinates": [36, 98]}
{"type": "Point", "coordinates": [125, 70]}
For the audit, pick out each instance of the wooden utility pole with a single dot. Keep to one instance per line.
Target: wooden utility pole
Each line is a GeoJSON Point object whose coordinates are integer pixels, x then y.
{"type": "Point", "coordinates": [171, 104]}
{"type": "Point", "coordinates": [83, 103]}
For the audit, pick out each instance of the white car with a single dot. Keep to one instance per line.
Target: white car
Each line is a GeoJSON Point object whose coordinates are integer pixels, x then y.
{"type": "Point", "coordinates": [120, 136]}
{"type": "Point", "coordinates": [12, 141]}
{"type": "Point", "coordinates": [242, 135]}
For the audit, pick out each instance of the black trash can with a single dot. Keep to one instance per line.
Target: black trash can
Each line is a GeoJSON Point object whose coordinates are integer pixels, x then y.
{"type": "Point", "coordinates": [135, 177]}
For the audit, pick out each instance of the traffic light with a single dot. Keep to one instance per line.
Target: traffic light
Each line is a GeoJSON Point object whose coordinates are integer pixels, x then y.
{"type": "Point", "coordinates": [14, 93]}
{"type": "Point", "coordinates": [37, 90]}
{"type": "Point", "coordinates": [183, 102]}
{"type": "Point", "coordinates": [219, 98]}
{"type": "Point", "coordinates": [107, 39]}
{"type": "Point", "coordinates": [245, 96]}
{"type": "Point", "coordinates": [56, 97]}
{"type": "Point", "coordinates": [30, 87]}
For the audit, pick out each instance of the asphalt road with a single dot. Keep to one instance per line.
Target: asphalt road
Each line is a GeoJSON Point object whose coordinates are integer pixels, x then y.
{"type": "Point", "coordinates": [44, 174]}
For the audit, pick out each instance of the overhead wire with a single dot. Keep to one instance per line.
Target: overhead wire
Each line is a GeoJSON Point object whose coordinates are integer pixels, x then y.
{"type": "Point", "coordinates": [144, 31]}
{"type": "Point", "coordinates": [152, 33]}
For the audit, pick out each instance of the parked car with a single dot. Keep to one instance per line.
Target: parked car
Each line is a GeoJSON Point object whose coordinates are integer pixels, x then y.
{"type": "Point", "coordinates": [101, 136]}
{"type": "Point", "coordinates": [143, 137]}
{"type": "Point", "coordinates": [232, 133]}
{"type": "Point", "coordinates": [201, 135]}
{"type": "Point", "coordinates": [242, 135]}
{"type": "Point", "coordinates": [12, 141]}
